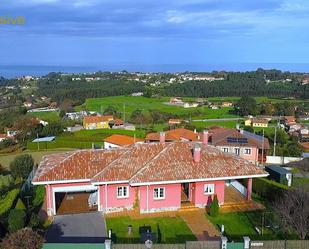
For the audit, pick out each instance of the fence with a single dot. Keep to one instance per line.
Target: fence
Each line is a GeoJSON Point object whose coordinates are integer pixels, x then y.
{"type": "Point", "coordinates": [281, 159]}
{"type": "Point", "coordinates": [272, 244]}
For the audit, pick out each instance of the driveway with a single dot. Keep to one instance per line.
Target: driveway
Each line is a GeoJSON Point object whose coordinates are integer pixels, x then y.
{"type": "Point", "coordinates": [77, 228]}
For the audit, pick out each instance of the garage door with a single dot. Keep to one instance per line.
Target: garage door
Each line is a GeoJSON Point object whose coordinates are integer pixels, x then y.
{"type": "Point", "coordinates": [76, 199]}
{"type": "Point", "coordinates": [73, 203]}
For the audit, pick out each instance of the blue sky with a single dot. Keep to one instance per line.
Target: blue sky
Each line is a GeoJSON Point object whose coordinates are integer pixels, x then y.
{"type": "Point", "coordinates": [93, 32]}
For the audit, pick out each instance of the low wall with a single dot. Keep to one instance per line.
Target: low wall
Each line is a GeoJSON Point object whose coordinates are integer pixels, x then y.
{"type": "Point", "coordinates": [281, 160]}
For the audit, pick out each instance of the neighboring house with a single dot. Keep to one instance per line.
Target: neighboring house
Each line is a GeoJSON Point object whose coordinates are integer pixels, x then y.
{"type": "Point", "coordinates": [27, 104]}
{"type": "Point", "coordinates": [242, 143]}
{"type": "Point", "coordinates": [74, 128]}
{"type": "Point", "coordinates": [227, 104]}
{"type": "Point", "coordinates": [288, 120]}
{"type": "Point", "coordinates": [116, 140]}
{"type": "Point", "coordinates": [154, 177]}
{"type": "Point", "coordinates": [259, 122]}
{"type": "Point", "coordinates": [248, 122]}
{"type": "Point", "coordinates": [179, 134]}
{"type": "Point", "coordinates": [190, 105]}
{"type": "Point", "coordinates": [174, 122]}
{"type": "Point", "coordinates": [118, 122]}
{"type": "Point", "coordinates": [97, 122]}
{"type": "Point", "coordinates": [176, 100]}
{"type": "Point", "coordinates": [3, 136]}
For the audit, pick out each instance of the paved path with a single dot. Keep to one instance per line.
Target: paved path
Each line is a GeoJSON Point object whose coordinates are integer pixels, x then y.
{"type": "Point", "coordinates": [200, 226]}
{"type": "Point", "coordinates": [77, 228]}
{"type": "Point", "coordinates": [217, 119]}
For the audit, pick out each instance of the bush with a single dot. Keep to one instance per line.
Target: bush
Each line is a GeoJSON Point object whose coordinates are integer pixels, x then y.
{"type": "Point", "coordinates": [39, 195]}
{"type": "Point", "coordinates": [214, 207]}
{"type": "Point", "coordinates": [268, 189]}
{"type": "Point", "coordinates": [24, 238]}
{"type": "Point", "coordinates": [22, 166]}
{"type": "Point", "coordinates": [16, 220]}
{"type": "Point", "coordinates": [34, 221]}
{"type": "Point", "coordinates": [20, 205]}
{"type": "Point", "coordinates": [6, 182]}
{"type": "Point", "coordinates": [7, 202]}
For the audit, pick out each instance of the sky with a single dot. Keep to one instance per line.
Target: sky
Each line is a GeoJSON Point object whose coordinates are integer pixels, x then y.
{"type": "Point", "coordinates": [101, 32]}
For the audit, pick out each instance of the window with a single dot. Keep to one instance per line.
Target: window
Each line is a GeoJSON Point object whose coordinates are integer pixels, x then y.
{"type": "Point", "coordinates": [247, 151]}
{"type": "Point", "coordinates": [225, 149]}
{"type": "Point", "coordinates": [209, 189]}
{"type": "Point", "coordinates": [158, 193]}
{"type": "Point", "coordinates": [237, 151]}
{"type": "Point", "coordinates": [123, 192]}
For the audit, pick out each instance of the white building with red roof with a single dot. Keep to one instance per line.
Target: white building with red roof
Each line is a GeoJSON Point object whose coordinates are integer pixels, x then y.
{"type": "Point", "coordinates": [153, 176]}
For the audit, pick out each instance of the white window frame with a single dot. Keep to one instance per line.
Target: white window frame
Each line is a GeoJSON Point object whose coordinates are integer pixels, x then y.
{"type": "Point", "coordinates": [209, 186]}
{"type": "Point", "coordinates": [159, 191]}
{"type": "Point", "coordinates": [237, 149]}
{"type": "Point", "coordinates": [246, 151]}
{"type": "Point", "coordinates": [122, 196]}
{"type": "Point", "coordinates": [225, 149]}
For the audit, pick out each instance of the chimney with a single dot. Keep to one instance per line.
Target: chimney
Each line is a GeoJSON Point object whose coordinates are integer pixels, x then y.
{"type": "Point", "coordinates": [162, 137]}
{"type": "Point", "coordinates": [197, 153]}
{"type": "Point", "coordinates": [205, 137]}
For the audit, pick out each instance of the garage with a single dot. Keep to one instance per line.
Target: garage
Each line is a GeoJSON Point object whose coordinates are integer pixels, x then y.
{"type": "Point", "coordinates": [74, 200]}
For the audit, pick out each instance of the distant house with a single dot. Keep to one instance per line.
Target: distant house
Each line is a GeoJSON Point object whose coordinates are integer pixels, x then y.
{"type": "Point", "coordinates": [179, 134]}
{"type": "Point", "coordinates": [97, 122]}
{"type": "Point", "coordinates": [227, 104]}
{"type": "Point", "coordinates": [259, 122]}
{"type": "Point", "coordinates": [138, 94]}
{"type": "Point", "coordinates": [213, 107]}
{"type": "Point", "coordinates": [118, 122]}
{"type": "Point", "coordinates": [248, 122]}
{"type": "Point", "coordinates": [3, 136]}
{"type": "Point", "coordinates": [117, 140]}
{"type": "Point", "coordinates": [288, 120]}
{"type": "Point", "coordinates": [74, 128]}
{"type": "Point", "coordinates": [190, 105]}
{"type": "Point", "coordinates": [241, 143]}
{"type": "Point", "coordinates": [174, 121]}
{"type": "Point", "coordinates": [27, 104]}
{"type": "Point", "coordinates": [176, 100]}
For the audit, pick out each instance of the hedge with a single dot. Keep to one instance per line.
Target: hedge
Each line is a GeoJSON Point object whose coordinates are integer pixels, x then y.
{"type": "Point", "coordinates": [7, 202]}
{"type": "Point", "coordinates": [60, 144]}
{"type": "Point", "coordinates": [268, 189]}
{"type": "Point", "coordinates": [16, 219]}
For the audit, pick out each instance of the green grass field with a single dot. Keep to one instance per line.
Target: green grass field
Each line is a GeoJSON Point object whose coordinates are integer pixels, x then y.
{"type": "Point", "coordinates": [172, 229]}
{"type": "Point", "coordinates": [146, 104]}
{"type": "Point", "coordinates": [227, 124]}
{"type": "Point", "coordinates": [5, 160]}
{"type": "Point", "coordinates": [237, 225]}
{"type": "Point", "coordinates": [51, 117]}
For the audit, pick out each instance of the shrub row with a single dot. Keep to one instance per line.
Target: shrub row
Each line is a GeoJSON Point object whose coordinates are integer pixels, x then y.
{"type": "Point", "coordinates": [7, 202]}
{"type": "Point", "coordinates": [268, 189]}
{"type": "Point", "coordinates": [60, 144]}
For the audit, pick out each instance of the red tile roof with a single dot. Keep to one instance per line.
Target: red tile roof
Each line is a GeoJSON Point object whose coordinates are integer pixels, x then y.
{"type": "Point", "coordinates": [219, 137]}
{"type": "Point", "coordinates": [174, 135]}
{"type": "Point", "coordinates": [122, 140]}
{"type": "Point", "coordinates": [3, 135]}
{"type": "Point", "coordinates": [140, 163]}
{"type": "Point", "coordinates": [97, 119]}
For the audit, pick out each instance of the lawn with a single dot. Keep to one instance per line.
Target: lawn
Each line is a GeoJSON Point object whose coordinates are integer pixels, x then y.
{"type": "Point", "coordinates": [51, 117]}
{"type": "Point", "coordinates": [237, 225]}
{"type": "Point", "coordinates": [5, 160]}
{"type": "Point", "coordinates": [172, 230]}
{"type": "Point", "coordinates": [227, 124]}
{"type": "Point", "coordinates": [146, 104]}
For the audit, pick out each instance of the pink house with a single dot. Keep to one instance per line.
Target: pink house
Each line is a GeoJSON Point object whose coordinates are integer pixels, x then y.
{"type": "Point", "coordinates": [150, 177]}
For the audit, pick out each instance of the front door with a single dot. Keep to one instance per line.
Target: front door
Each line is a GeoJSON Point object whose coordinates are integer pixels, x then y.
{"type": "Point", "coordinates": [185, 192]}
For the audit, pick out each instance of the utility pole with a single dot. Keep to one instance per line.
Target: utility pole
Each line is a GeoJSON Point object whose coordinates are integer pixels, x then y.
{"type": "Point", "coordinates": [124, 113]}
{"type": "Point", "coordinates": [263, 148]}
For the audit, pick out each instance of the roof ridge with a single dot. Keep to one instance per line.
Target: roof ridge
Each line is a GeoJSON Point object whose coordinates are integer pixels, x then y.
{"type": "Point", "coordinates": [155, 157]}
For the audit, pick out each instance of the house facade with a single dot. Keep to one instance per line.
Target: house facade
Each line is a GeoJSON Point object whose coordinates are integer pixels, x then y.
{"type": "Point", "coordinates": [97, 122]}
{"type": "Point", "coordinates": [151, 177]}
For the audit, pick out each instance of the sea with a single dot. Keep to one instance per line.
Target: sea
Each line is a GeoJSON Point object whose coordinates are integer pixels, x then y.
{"type": "Point", "coordinates": [13, 71]}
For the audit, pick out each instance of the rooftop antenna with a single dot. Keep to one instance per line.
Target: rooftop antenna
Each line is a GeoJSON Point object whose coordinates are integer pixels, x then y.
{"type": "Point", "coordinates": [275, 141]}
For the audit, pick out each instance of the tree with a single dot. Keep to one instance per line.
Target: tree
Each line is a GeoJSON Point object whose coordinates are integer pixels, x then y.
{"type": "Point", "coordinates": [21, 166]}
{"type": "Point", "coordinates": [214, 207]}
{"type": "Point", "coordinates": [111, 110]}
{"type": "Point", "coordinates": [16, 219]}
{"type": "Point", "coordinates": [20, 205]}
{"type": "Point", "coordinates": [52, 129]}
{"type": "Point", "coordinates": [293, 210]}
{"type": "Point", "coordinates": [24, 238]}
{"type": "Point", "coordinates": [246, 106]}
{"type": "Point", "coordinates": [34, 221]}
